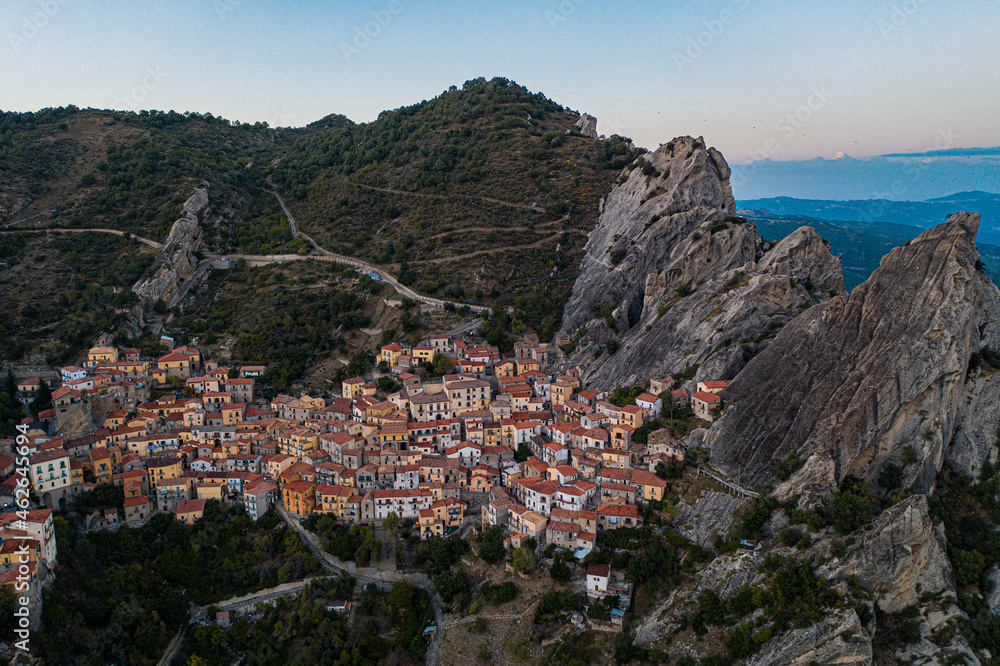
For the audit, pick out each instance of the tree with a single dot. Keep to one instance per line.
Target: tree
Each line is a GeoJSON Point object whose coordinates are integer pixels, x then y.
{"type": "Point", "coordinates": [523, 560]}
{"type": "Point", "coordinates": [43, 399]}
{"type": "Point", "coordinates": [233, 373]}
{"type": "Point", "coordinates": [10, 384]}
{"type": "Point", "coordinates": [391, 522]}
{"type": "Point", "coordinates": [491, 549]}
{"type": "Point", "coordinates": [850, 510]}
{"type": "Point", "coordinates": [442, 365]}
{"type": "Point", "coordinates": [661, 470]}
{"type": "Point", "coordinates": [560, 571]}
{"type": "Point", "coordinates": [160, 306]}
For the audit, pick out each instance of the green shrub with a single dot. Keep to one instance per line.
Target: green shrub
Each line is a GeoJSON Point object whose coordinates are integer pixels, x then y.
{"type": "Point", "coordinates": [500, 593]}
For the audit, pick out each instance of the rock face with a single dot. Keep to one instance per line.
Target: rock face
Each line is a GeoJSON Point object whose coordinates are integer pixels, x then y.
{"type": "Point", "coordinates": [839, 639]}
{"type": "Point", "coordinates": [859, 381]}
{"type": "Point", "coordinates": [901, 560]}
{"type": "Point", "coordinates": [898, 558]}
{"type": "Point", "coordinates": [587, 124]}
{"type": "Point", "coordinates": [176, 262]}
{"type": "Point", "coordinates": [710, 516]}
{"type": "Point", "coordinates": [667, 229]}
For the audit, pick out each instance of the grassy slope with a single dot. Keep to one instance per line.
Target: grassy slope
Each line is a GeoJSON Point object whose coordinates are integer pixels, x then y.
{"type": "Point", "coordinates": [488, 171]}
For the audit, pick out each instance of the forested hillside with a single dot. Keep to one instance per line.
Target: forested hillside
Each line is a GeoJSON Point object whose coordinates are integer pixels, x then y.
{"type": "Point", "coordinates": [484, 193]}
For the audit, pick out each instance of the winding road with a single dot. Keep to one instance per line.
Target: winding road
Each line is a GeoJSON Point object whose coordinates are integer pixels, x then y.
{"type": "Point", "coordinates": [363, 265]}
{"type": "Point", "coordinates": [380, 578]}
{"type": "Point", "coordinates": [427, 195]}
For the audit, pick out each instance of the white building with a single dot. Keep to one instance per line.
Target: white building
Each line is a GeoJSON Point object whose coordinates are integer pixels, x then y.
{"type": "Point", "coordinates": [597, 579]}
{"type": "Point", "coordinates": [50, 476]}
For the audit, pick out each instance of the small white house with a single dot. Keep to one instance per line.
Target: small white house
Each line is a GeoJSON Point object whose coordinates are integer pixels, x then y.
{"type": "Point", "coordinates": [71, 372]}
{"type": "Point", "coordinates": [651, 404]}
{"type": "Point", "coordinates": [597, 579]}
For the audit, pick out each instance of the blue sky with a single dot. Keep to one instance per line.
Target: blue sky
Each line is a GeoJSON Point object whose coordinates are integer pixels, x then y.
{"type": "Point", "coordinates": [755, 78]}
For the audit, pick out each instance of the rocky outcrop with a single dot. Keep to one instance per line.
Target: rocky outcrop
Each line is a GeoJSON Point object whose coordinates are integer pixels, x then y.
{"type": "Point", "coordinates": [587, 124]}
{"type": "Point", "coordinates": [901, 560]}
{"type": "Point", "coordinates": [898, 558]}
{"type": "Point", "coordinates": [176, 263]}
{"type": "Point", "coordinates": [709, 517]}
{"type": "Point", "coordinates": [75, 422]}
{"type": "Point", "coordinates": [678, 281]}
{"type": "Point", "coordinates": [838, 639]}
{"type": "Point", "coordinates": [875, 377]}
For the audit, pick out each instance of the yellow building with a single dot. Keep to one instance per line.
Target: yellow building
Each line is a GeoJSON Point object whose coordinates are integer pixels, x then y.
{"type": "Point", "coordinates": [189, 511]}
{"type": "Point", "coordinates": [175, 365]}
{"type": "Point", "coordinates": [100, 355]}
{"type": "Point", "coordinates": [163, 469]}
{"type": "Point", "coordinates": [332, 499]}
{"type": "Point", "coordinates": [391, 353]}
{"type": "Point", "coordinates": [299, 497]}
{"type": "Point", "coordinates": [445, 514]}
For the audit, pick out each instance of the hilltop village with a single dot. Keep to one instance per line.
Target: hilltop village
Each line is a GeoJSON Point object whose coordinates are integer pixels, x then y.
{"type": "Point", "coordinates": [491, 441]}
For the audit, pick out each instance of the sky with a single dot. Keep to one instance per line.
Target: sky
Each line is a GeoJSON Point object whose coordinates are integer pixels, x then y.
{"type": "Point", "coordinates": [757, 79]}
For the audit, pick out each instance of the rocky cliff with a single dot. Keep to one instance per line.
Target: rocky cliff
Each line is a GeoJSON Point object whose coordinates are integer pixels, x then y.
{"type": "Point", "coordinates": [587, 124]}
{"type": "Point", "coordinates": [176, 262]}
{"type": "Point", "coordinates": [674, 280]}
{"type": "Point", "coordinates": [886, 374]}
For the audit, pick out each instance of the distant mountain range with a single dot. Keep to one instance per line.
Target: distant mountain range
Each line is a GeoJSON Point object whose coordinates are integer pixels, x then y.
{"type": "Point", "coordinates": [897, 176]}
{"type": "Point", "coordinates": [860, 245]}
{"type": "Point", "coordinates": [921, 214]}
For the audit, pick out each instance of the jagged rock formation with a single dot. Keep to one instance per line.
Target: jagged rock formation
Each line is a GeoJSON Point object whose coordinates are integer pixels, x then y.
{"type": "Point", "coordinates": [670, 227]}
{"type": "Point", "coordinates": [587, 124]}
{"type": "Point", "coordinates": [710, 516]}
{"type": "Point", "coordinates": [861, 380]}
{"type": "Point", "coordinates": [839, 638]}
{"type": "Point", "coordinates": [901, 560]}
{"type": "Point", "coordinates": [898, 558]}
{"type": "Point", "coordinates": [76, 422]}
{"type": "Point", "coordinates": [176, 262]}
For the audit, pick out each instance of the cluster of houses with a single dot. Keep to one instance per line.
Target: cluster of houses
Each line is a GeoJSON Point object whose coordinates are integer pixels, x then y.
{"type": "Point", "coordinates": [27, 550]}
{"type": "Point", "coordinates": [421, 451]}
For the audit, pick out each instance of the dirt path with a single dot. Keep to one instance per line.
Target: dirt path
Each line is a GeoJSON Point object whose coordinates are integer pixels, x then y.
{"type": "Point", "coordinates": [427, 195]}
{"type": "Point", "coordinates": [380, 578]}
{"type": "Point", "coordinates": [116, 232]}
{"type": "Point", "coordinates": [477, 253]}
{"type": "Point", "coordinates": [172, 648]}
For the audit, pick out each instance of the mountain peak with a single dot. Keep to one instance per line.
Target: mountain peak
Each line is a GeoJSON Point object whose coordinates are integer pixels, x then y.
{"type": "Point", "coordinates": [851, 383]}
